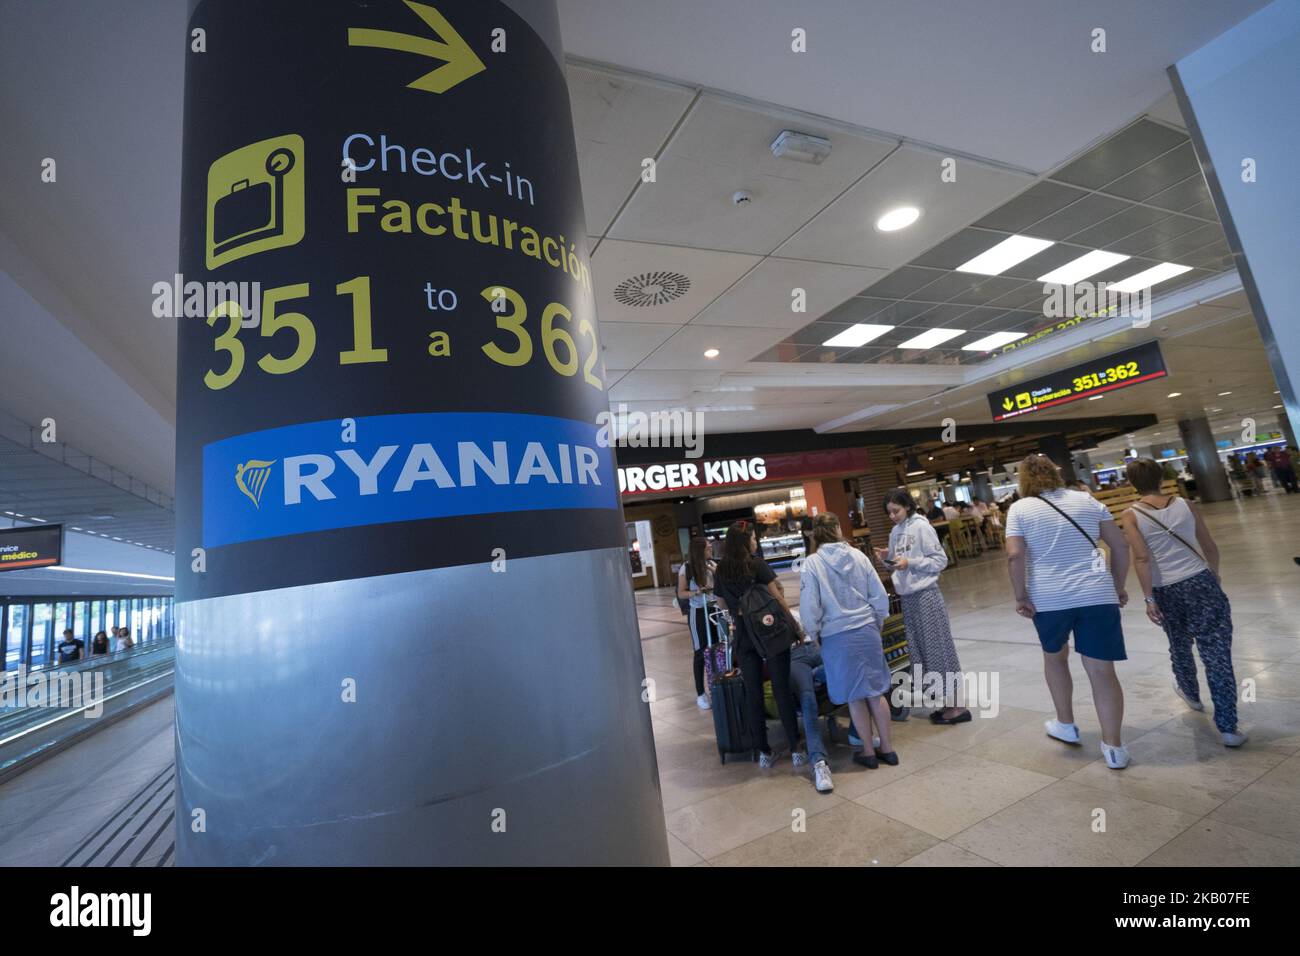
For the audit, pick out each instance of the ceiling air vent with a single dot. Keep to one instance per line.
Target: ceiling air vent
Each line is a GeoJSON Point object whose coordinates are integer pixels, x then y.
{"type": "Point", "coordinates": [652, 288]}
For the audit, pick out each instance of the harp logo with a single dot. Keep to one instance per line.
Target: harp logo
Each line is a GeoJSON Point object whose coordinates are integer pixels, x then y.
{"type": "Point", "coordinates": [251, 478]}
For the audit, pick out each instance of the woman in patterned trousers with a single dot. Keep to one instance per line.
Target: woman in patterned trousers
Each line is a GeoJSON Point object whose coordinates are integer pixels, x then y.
{"type": "Point", "coordinates": [1177, 564]}
{"type": "Point", "coordinates": [915, 558]}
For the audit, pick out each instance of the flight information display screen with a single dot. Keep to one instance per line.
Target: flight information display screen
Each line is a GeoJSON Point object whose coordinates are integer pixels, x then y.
{"type": "Point", "coordinates": [1143, 363]}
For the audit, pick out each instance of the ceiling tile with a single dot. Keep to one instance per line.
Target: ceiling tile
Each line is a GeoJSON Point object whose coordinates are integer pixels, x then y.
{"type": "Point", "coordinates": [736, 346]}
{"type": "Point", "coordinates": [1120, 155]}
{"type": "Point", "coordinates": [765, 297]}
{"type": "Point", "coordinates": [1171, 227]}
{"type": "Point", "coordinates": [904, 281]}
{"type": "Point", "coordinates": [724, 147]}
{"type": "Point", "coordinates": [668, 386]}
{"type": "Point", "coordinates": [630, 272]}
{"type": "Point", "coordinates": [845, 232]}
{"type": "Point", "coordinates": [618, 120]}
{"type": "Point", "coordinates": [627, 343]}
{"type": "Point", "coordinates": [1159, 174]}
{"type": "Point", "coordinates": [1036, 203]}
{"type": "Point", "coordinates": [1131, 220]}
{"type": "Point", "coordinates": [1087, 212]}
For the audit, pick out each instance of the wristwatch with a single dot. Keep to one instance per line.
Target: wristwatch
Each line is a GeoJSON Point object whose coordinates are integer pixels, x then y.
{"type": "Point", "coordinates": [1151, 601]}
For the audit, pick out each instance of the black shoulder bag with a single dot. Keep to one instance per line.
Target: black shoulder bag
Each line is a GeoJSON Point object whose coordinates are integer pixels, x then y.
{"type": "Point", "coordinates": [1069, 519]}
{"type": "Point", "coordinates": [1170, 531]}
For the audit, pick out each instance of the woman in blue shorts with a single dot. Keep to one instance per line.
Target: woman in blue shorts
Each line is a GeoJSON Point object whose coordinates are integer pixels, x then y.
{"type": "Point", "coordinates": [1062, 582]}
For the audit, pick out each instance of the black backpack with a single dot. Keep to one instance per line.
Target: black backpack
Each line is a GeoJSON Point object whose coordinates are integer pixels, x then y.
{"type": "Point", "coordinates": [765, 620]}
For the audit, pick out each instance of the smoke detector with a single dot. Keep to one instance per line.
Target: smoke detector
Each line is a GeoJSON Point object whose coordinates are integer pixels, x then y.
{"type": "Point", "coordinates": [742, 197]}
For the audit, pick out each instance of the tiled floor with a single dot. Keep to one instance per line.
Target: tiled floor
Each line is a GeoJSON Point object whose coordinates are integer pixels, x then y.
{"type": "Point", "coordinates": [995, 791]}
{"type": "Point", "coordinates": [109, 793]}
{"type": "Point", "coordinates": [998, 791]}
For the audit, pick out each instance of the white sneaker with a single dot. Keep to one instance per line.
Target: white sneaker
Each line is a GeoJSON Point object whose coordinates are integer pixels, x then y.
{"type": "Point", "coordinates": [799, 758]}
{"type": "Point", "coordinates": [702, 702]}
{"type": "Point", "coordinates": [822, 774]}
{"type": "Point", "coordinates": [1235, 738]}
{"type": "Point", "coordinates": [875, 743]}
{"type": "Point", "coordinates": [1066, 733]}
{"type": "Point", "coordinates": [768, 761]}
{"type": "Point", "coordinates": [1194, 704]}
{"type": "Point", "coordinates": [1116, 757]}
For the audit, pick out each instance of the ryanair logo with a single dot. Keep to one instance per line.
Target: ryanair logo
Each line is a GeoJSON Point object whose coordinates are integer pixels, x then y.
{"type": "Point", "coordinates": [407, 467]}
{"type": "Point", "coordinates": [251, 478]}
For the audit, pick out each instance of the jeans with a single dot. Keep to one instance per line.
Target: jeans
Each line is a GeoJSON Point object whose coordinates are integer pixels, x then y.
{"type": "Point", "coordinates": [805, 669]}
{"type": "Point", "coordinates": [751, 670]}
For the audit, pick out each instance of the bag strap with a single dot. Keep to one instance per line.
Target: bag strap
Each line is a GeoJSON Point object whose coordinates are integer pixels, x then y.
{"type": "Point", "coordinates": [1069, 519]}
{"type": "Point", "coordinates": [1169, 530]}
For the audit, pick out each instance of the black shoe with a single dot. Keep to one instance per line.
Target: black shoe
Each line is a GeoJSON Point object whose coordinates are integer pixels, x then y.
{"type": "Point", "coordinates": [867, 760]}
{"type": "Point", "coordinates": [890, 758]}
{"type": "Point", "coordinates": [961, 718]}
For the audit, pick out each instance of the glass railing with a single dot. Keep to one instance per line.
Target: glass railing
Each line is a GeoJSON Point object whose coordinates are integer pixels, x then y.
{"type": "Point", "coordinates": [48, 709]}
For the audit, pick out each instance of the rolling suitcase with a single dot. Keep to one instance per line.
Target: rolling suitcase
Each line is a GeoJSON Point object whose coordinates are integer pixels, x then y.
{"type": "Point", "coordinates": [715, 653]}
{"type": "Point", "coordinates": [730, 725]}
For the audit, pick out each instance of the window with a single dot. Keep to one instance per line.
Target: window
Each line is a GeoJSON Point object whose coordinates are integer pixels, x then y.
{"type": "Point", "coordinates": [16, 634]}
{"type": "Point", "coordinates": [42, 635]}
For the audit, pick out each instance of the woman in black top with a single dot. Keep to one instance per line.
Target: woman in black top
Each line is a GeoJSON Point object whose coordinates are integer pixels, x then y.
{"type": "Point", "coordinates": [100, 644]}
{"type": "Point", "coordinates": [740, 568]}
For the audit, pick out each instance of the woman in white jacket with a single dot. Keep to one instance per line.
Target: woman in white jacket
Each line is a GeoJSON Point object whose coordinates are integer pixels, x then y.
{"type": "Point", "coordinates": [842, 601]}
{"type": "Point", "coordinates": [915, 558]}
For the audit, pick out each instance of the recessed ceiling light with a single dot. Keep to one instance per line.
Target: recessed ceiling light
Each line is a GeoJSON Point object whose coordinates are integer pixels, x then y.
{"type": "Point", "coordinates": [1093, 398]}
{"type": "Point", "coordinates": [1149, 277]}
{"type": "Point", "coordinates": [1173, 394]}
{"type": "Point", "coordinates": [856, 335]}
{"type": "Point", "coordinates": [899, 218]}
{"type": "Point", "coordinates": [1221, 394]}
{"type": "Point", "coordinates": [991, 342]}
{"type": "Point", "coordinates": [928, 340]}
{"type": "Point", "coordinates": [711, 353]}
{"type": "Point", "coordinates": [1079, 269]}
{"type": "Point", "coordinates": [1277, 406]}
{"type": "Point", "coordinates": [1004, 255]}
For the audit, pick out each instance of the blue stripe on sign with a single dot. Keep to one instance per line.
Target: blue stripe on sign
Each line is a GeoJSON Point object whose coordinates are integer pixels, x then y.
{"type": "Point", "coordinates": [303, 478]}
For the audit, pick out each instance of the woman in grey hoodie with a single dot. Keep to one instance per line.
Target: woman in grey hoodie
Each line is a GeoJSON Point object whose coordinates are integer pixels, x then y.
{"type": "Point", "coordinates": [842, 601]}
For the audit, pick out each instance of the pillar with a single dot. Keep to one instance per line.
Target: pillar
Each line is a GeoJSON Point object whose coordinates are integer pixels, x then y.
{"type": "Point", "coordinates": [980, 485]}
{"type": "Point", "coordinates": [1237, 95]}
{"type": "Point", "coordinates": [1057, 448]}
{"type": "Point", "coordinates": [1083, 467]}
{"type": "Point", "coordinates": [406, 626]}
{"type": "Point", "coordinates": [1203, 460]}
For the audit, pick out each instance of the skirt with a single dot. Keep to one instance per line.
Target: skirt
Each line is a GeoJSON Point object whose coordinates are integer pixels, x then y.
{"type": "Point", "coordinates": [855, 665]}
{"type": "Point", "coordinates": [929, 636]}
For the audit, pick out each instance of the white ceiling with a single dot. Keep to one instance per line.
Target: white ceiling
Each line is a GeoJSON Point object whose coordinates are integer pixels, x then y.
{"type": "Point", "coordinates": [943, 78]}
{"type": "Point", "coordinates": [1013, 81]}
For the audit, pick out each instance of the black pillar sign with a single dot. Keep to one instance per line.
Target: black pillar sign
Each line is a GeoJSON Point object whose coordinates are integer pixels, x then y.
{"type": "Point", "coordinates": [397, 365]}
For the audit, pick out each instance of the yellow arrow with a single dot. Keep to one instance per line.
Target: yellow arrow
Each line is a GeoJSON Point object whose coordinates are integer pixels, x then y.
{"type": "Point", "coordinates": [1008, 404]}
{"type": "Point", "coordinates": [459, 61]}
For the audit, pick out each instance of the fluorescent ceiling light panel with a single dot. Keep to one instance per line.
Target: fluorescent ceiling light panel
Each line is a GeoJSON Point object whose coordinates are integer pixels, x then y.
{"type": "Point", "coordinates": [994, 341]}
{"type": "Point", "coordinates": [856, 335]}
{"type": "Point", "coordinates": [1150, 277]}
{"type": "Point", "coordinates": [1005, 254]}
{"type": "Point", "coordinates": [1079, 269]}
{"type": "Point", "coordinates": [928, 340]}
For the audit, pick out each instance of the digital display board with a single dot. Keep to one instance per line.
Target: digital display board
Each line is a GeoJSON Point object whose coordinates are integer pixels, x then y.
{"type": "Point", "coordinates": [26, 548]}
{"type": "Point", "coordinates": [1120, 370]}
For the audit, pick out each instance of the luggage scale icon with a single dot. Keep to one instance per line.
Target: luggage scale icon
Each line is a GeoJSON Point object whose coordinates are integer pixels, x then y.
{"type": "Point", "coordinates": [255, 200]}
